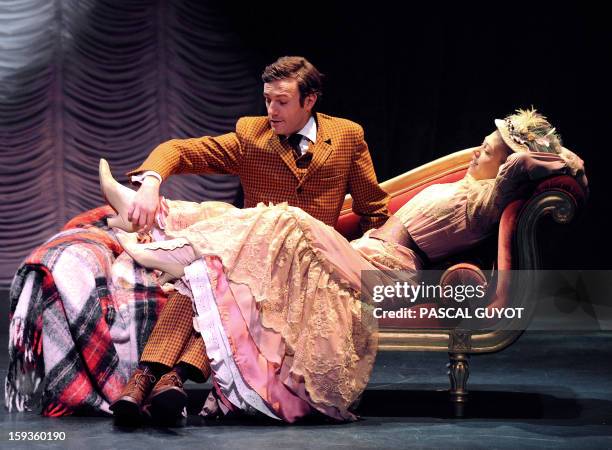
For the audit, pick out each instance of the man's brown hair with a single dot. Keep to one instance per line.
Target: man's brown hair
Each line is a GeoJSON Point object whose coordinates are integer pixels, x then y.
{"type": "Point", "coordinates": [309, 79]}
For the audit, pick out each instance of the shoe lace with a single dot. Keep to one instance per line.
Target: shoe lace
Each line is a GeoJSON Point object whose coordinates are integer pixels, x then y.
{"type": "Point", "coordinates": [175, 379]}
{"type": "Point", "coordinates": [141, 378]}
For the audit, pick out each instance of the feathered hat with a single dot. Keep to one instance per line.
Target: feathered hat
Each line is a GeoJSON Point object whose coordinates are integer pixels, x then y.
{"type": "Point", "coordinates": [529, 131]}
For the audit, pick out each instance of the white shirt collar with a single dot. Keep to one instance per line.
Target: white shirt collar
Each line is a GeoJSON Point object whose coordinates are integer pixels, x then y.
{"type": "Point", "coordinates": [310, 130]}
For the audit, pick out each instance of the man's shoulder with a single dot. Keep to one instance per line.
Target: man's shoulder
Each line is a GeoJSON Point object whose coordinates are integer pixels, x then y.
{"type": "Point", "coordinates": [339, 124]}
{"type": "Point", "coordinates": [252, 125]}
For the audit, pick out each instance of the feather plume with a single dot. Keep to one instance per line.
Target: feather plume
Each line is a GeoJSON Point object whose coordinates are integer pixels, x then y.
{"type": "Point", "coordinates": [533, 130]}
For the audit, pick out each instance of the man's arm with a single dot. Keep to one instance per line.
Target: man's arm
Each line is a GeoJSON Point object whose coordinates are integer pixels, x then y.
{"type": "Point", "coordinates": [219, 154]}
{"type": "Point", "coordinates": [370, 201]}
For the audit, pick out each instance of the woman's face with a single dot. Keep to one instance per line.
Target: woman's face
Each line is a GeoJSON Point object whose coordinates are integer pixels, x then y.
{"type": "Point", "coordinates": [487, 158]}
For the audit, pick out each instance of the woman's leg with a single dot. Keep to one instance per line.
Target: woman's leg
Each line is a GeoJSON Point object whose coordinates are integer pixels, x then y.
{"type": "Point", "coordinates": [168, 256]}
{"type": "Point", "coordinates": [119, 197]}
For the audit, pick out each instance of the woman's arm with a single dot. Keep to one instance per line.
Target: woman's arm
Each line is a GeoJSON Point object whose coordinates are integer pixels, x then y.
{"type": "Point", "coordinates": [486, 205]}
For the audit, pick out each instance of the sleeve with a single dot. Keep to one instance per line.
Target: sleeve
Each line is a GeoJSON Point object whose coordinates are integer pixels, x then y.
{"type": "Point", "coordinates": [487, 205]}
{"type": "Point", "coordinates": [370, 201]}
{"type": "Point", "coordinates": [576, 167]}
{"type": "Point", "coordinates": [138, 179]}
{"type": "Point", "coordinates": [220, 154]}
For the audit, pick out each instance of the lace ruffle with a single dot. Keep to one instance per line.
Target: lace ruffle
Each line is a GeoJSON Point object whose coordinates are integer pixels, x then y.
{"type": "Point", "coordinates": [328, 332]}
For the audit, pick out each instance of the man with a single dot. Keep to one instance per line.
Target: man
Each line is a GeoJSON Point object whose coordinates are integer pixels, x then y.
{"type": "Point", "coordinates": [295, 155]}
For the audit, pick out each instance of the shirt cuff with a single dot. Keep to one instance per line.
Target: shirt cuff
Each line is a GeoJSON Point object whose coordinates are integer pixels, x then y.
{"type": "Point", "coordinates": [138, 179]}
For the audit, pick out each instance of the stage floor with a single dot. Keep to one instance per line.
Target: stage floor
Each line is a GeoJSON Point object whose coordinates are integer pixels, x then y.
{"type": "Point", "coordinates": [545, 391]}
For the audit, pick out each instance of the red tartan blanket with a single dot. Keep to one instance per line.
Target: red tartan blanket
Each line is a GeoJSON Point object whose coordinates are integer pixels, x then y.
{"type": "Point", "coordinates": [77, 328]}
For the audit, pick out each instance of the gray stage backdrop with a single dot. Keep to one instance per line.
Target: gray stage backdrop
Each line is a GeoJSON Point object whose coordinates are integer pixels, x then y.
{"type": "Point", "coordinates": [85, 79]}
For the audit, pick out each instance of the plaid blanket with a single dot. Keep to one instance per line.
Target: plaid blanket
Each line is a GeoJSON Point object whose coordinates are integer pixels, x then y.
{"type": "Point", "coordinates": [81, 313]}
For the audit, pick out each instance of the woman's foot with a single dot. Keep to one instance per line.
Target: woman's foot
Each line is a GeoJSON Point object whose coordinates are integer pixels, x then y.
{"type": "Point", "coordinates": [170, 256]}
{"type": "Point", "coordinates": [119, 197]}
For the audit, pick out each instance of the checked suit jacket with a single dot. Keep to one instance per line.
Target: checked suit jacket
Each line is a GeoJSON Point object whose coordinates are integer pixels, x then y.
{"type": "Point", "coordinates": [265, 163]}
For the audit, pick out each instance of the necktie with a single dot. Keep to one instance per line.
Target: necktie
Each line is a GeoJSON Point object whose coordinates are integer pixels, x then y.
{"type": "Point", "coordinates": [302, 161]}
{"type": "Point", "coordinates": [294, 141]}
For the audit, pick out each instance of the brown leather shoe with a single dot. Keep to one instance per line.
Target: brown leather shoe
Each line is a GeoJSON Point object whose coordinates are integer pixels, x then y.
{"type": "Point", "coordinates": [127, 406]}
{"type": "Point", "coordinates": [168, 398]}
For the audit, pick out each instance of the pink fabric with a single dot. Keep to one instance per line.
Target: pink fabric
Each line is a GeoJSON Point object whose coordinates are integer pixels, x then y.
{"type": "Point", "coordinates": [439, 235]}
{"type": "Point", "coordinates": [291, 312]}
{"type": "Point", "coordinates": [266, 377]}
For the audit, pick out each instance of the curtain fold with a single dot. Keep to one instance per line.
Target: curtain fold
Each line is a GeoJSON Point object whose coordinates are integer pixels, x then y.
{"type": "Point", "coordinates": [81, 80]}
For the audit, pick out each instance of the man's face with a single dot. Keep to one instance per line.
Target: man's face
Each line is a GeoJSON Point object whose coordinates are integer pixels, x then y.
{"type": "Point", "coordinates": [487, 158]}
{"type": "Point", "coordinates": [285, 113]}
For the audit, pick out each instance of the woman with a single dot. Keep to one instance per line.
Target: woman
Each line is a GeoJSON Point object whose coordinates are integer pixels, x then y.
{"type": "Point", "coordinates": [278, 292]}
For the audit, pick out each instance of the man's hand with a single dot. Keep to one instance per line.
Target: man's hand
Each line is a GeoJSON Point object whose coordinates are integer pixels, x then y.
{"type": "Point", "coordinates": [145, 205]}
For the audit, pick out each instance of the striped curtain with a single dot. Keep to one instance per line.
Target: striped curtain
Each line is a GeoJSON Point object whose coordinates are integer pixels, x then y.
{"type": "Point", "coordinates": [84, 79]}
